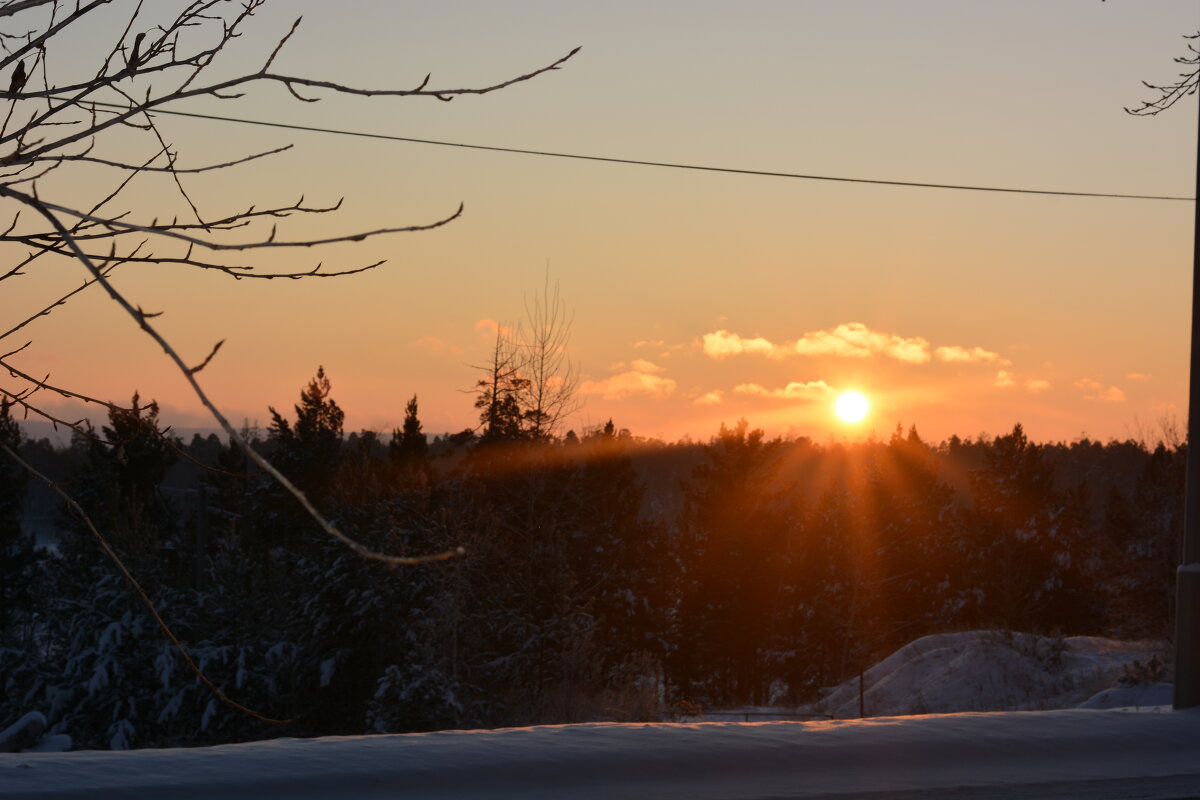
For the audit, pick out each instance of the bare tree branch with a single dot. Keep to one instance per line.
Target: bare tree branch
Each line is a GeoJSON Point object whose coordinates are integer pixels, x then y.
{"type": "Point", "coordinates": [143, 321]}
{"type": "Point", "coordinates": [1171, 93]}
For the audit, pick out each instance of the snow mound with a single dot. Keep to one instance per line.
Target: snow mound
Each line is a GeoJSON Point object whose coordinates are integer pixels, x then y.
{"type": "Point", "coordinates": [1140, 696]}
{"type": "Point", "coordinates": [987, 671]}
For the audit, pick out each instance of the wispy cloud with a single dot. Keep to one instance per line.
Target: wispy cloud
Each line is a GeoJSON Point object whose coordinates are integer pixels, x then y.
{"type": "Point", "coordinates": [488, 328]}
{"type": "Point", "coordinates": [629, 384]}
{"type": "Point", "coordinates": [962, 355]}
{"type": "Point", "coordinates": [710, 398]}
{"type": "Point", "coordinates": [811, 390]}
{"type": "Point", "coordinates": [1037, 385]}
{"type": "Point", "coordinates": [1094, 390]}
{"type": "Point", "coordinates": [649, 367]}
{"type": "Point", "coordinates": [1138, 376]}
{"type": "Point", "coordinates": [851, 340]}
{"type": "Point", "coordinates": [1004, 379]}
{"type": "Point", "coordinates": [438, 345]}
{"type": "Point", "coordinates": [856, 340]}
{"type": "Point", "coordinates": [723, 344]}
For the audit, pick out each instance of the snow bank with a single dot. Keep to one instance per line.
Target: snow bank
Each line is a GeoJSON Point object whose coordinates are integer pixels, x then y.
{"type": "Point", "coordinates": [987, 671]}
{"type": "Point", "coordinates": [1152, 694]}
{"type": "Point", "coordinates": [707, 761]}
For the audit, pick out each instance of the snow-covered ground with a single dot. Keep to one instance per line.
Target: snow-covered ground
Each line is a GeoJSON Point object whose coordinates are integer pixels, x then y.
{"type": "Point", "coordinates": [699, 761]}
{"type": "Point", "coordinates": [1143, 752]}
{"type": "Point", "coordinates": [988, 671]}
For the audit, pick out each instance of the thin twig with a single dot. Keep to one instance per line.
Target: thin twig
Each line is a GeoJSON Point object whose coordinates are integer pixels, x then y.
{"type": "Point", "coordinates": [144, 323]}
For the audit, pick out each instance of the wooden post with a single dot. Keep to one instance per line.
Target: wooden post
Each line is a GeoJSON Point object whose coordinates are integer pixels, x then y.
{"type": "Point", "coordinates": [1187, 577]}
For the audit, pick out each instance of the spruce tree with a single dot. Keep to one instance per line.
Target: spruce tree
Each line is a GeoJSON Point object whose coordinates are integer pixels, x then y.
{"type": "Point", "coordinates": [409, 447]}
{"type": "Point", "coordinates": [310, 450]}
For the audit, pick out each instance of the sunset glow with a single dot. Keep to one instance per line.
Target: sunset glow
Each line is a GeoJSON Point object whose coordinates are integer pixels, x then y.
{"type": "Point", "coordinates": [570, 365]}
{"type": "Point", "coordinates": [949, 302]}
{"type": "Point", "coordinates": [851, 407]}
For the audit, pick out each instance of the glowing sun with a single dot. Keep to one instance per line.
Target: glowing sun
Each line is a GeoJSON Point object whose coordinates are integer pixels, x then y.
{"type": "Point", "coordinates": [851, 407]}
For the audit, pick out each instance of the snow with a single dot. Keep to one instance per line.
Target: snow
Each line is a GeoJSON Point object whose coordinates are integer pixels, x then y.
{"type": "Point", "coordinates": [1153, 694]}
{"type": "Point", "coordinates": [987, 671]}
{"type": "Point", "coordinates": [1124, 735]}
{"type": "Point", "coordinates": [702, 761]}
{"type": "Point", "coordinates": [23, 732]}
{"type": "Point", "coordinates": [327, 667]}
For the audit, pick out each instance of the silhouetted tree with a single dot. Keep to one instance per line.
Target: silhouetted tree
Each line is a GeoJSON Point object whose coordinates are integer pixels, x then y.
{"type": "Point", "coordinates": [547, 396]}
{"type": "Point", "coordinates": [731, 548]}
{"type": "Point", "coordinates": [118, 483]}
{"type": "Point", "coordinates": [409, 448]}
{"type": "Point", "coordinates": [1023, 543]}
{"type": "Point", "coordinates": [311, 449]}
{"type": "Point", "coordinates": [12, 477]}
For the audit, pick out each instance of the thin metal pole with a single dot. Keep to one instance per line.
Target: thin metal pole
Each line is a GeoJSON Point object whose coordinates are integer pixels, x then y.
{"type": "Point", "coordinates": [1187, 577]}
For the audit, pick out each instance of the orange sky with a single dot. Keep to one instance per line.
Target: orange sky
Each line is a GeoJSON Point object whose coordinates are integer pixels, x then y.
{"type": "Point", "coordinates": [697, 297]}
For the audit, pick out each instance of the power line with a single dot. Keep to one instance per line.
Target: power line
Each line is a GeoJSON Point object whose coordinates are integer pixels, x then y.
{"type": "Point", "coordinates": [639, 162]}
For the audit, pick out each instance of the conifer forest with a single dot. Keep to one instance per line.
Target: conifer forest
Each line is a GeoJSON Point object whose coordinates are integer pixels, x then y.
{"type": "Point", "coordinates": [592, 575]}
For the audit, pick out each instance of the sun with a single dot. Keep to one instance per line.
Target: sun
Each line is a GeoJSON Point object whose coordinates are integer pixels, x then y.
{"type": "Point", "coordinates": [851, 406]}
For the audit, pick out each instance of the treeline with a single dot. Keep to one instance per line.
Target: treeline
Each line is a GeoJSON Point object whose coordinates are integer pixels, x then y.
{"type": "Point", "coordinates": [602, 576]}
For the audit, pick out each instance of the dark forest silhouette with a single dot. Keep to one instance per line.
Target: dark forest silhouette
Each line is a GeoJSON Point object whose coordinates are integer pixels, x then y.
{"type": "Point", "coordinates": [604, 576]}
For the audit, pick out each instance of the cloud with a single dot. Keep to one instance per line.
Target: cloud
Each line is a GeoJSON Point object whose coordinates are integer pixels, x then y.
{"type": "Point", "coordinates": [709, 398]}
{"type": "Point", "coordinates": [489, 328]}
{"type": "Point", "coordinates": [1096, 391]}
{"type": "Point", "coordinates": [852, 340]}
{"type": "Point", "coordinates": [1037, 385]}
{"type": "Point", "coordinates": [1004, 379]}
{"type": "Point", "coordinates": [723, 344]}
{"type": "Point", "coordinates": [856, 340]}
{"type": "Point", "coordinates": [1138, 376]}
{"type": "Point", "coordinates": [812, 390]}
{"type": "Point", "coordinates": [962, 355]}
{"type": "Point", "coordinates": [650, 343]}
{"type": "Point", "coordinates": [438, 345]}
{"type": "Point", "coordinates": [629, 384]}
{"type": "Point", "coordinates": [642, 365]}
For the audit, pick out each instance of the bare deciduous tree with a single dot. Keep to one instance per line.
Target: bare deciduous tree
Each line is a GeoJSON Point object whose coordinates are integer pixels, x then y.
{"type": "Point", "coordinates": [1171, 93]}
{"type": "Point", "coordinates": [50, 126]}
{"type": "Point", "coordinates": [550, 391]}
{"type": "Point", "coordinates": [96, 117]}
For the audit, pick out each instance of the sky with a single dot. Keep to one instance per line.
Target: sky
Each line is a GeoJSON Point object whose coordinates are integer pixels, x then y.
{"type": "Point", "coordinates": [696, 298]}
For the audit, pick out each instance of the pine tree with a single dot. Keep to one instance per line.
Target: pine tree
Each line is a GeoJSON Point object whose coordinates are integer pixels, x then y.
{"type": "Point", "coordinates": [118, 482]}
{"type": "Point", "coordinates": [732, 538]}
{"type": "Point", "coordinates": [1023, 542]}
{"type": "Point", "coordinates": [311, 450]}
{"type": "Point", "coordinates": [409, 448]}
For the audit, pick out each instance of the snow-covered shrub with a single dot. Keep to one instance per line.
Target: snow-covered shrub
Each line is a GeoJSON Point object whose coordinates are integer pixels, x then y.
{"type": "Point", "coordinates": [414, 697]}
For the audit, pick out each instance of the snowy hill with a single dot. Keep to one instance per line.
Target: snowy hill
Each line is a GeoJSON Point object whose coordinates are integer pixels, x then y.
{"type": "Point", "coordinates": [988, 671]}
